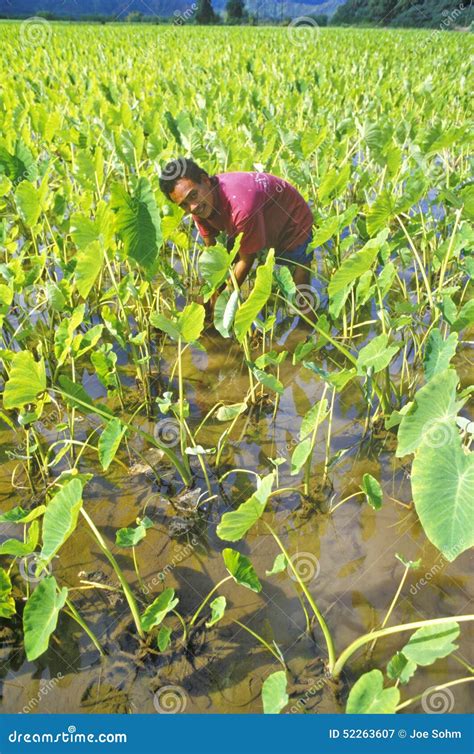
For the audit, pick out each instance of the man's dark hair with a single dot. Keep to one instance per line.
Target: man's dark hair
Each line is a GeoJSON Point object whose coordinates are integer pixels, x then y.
{"type": "Point", "coordinates": [181, 167]}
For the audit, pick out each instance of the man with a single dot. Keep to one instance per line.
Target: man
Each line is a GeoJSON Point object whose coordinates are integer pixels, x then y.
{"type": "Point", "coordinates": [268, 210]}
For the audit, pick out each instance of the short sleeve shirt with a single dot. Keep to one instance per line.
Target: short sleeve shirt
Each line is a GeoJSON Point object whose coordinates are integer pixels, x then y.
{"type": "Point", "coordinates": [268, 210]}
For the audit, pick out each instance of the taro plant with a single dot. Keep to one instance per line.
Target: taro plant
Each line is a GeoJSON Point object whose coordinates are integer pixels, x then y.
{"type": "Point", "coordinates": [234, 525]}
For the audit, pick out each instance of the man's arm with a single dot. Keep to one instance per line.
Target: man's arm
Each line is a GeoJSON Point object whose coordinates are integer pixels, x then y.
{"type": "Point", "coordinates": [243, 266]}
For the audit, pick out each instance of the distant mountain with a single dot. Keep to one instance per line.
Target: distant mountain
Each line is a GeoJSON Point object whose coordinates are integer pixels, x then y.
{"type": "Point", "coordinates": [440, 14]}
{"type": "Point", "coordinates": [121, 8]}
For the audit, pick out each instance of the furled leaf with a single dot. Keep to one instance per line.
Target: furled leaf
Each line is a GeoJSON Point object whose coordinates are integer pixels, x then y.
{"type": "Point", "coordinates": [164, 637]}
{"type": "Point", "coordinates": [300, 455]}
{"type": "Point", "coordinates": [279, 564]}
{"type": "Point", "coordinates": [274, 693]}
{"type": "Point", "coordinates": [368, 696]}
{"type": "Point", "coordinates": [27, 381]}
{"type": "Point", "coordinates": [109, 442]}
{"type": "Point", "coordinates": [412, 564]}
{"type": "Point", "coordinates": [40, 616]}
{"type": "Point", "coordinates": [224, 312]}
{"type": "Point", "coordinates": [431, 643]}
{"type": "Point", "coordinates": [60, 520]}
{"type": "Point", "coordinates": [158, 609]}
{"type": "Point", "coordinates": [241, 569]}
{"type": "Point", "coordinates": [400, 668]}
{"type": "Point", "coordinates": [313, 418]}
{"type": "Point", "coordinates": [373, 491]}
{"type": "Point", "coordinates": [432, 413]}
{"type": "Point", "coordinates": [442, 484]}
{"type": "Point", "coordinates": [218, 607]}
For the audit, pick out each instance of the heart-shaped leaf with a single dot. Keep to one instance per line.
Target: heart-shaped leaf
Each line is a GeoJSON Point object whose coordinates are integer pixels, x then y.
{"type": "Point", "coordinates": [368, 696]}
{"type": "Point", "coordinates": [241, 569]}
{"type": "Point", "coordinates": [159, 609]}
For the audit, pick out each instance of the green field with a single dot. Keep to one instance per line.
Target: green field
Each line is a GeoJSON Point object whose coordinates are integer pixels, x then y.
{"type": "Point", "coordinates": [229, 509]}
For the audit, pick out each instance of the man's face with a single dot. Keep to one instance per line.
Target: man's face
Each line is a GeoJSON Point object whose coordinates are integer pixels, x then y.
{"type": "Point", "coordinates": [196, 198]}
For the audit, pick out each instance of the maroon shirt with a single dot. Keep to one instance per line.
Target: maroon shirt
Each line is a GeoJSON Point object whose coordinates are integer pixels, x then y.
{"type": "Point", "coordinates": [269, 212]}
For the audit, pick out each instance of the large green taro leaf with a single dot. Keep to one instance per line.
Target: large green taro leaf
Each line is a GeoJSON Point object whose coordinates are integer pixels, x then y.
{"type": "Point", "coordinates": [27, 381]}
{"type": "Point", "coordinates": [138, 223]}
{"type": "Point", "coordinates": [257, 299]}
{"type": "Point", "coordinates": [60, 519]}
{"type": "Point", "coordinates": [40, 616]}
{"type": "Point", "coordinates": [432, 414]}
{"type": "Point", "coordinates": [442, 484]}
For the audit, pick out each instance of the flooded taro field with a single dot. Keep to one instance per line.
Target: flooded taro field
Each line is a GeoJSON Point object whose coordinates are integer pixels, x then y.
{"type": "Point", "coordinates": [266, 511]}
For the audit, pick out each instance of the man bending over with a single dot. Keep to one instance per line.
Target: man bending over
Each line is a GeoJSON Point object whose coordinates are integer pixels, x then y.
{"type": "Point", "coordinates": [269, 211]}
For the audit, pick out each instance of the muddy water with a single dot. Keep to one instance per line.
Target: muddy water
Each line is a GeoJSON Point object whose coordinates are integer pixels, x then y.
{"type": "Point", "coordinates": [348, 559]}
